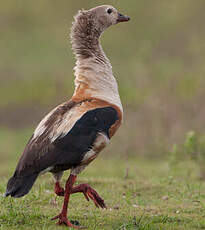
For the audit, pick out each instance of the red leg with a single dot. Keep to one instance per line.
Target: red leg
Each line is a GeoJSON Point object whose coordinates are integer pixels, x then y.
{"type": "Point", "coordinates": [89, 193]}
{"type": "Point", "coordinates": [59, 191]}
{"type": "Point", "coordinates": [86, 190]}
{"type": "Point", "coordinates": [63, 215]}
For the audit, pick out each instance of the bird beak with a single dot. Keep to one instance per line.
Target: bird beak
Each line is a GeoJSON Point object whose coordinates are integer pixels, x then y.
{"type": "Point", "coordinates": [122, 18]}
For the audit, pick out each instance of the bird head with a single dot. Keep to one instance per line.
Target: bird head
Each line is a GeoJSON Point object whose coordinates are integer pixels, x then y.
{"type": "Point", "coordinates": [106, 15]}
{"type": "Point", "coordinates": [96, 20]}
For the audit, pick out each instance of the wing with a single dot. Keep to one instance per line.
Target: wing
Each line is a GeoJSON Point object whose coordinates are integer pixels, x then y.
{"type": "Point", "coordinates": [64, 136]}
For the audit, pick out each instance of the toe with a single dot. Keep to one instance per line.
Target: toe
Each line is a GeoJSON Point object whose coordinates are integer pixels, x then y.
{"type": "Point", "coordinates": [99, 202]}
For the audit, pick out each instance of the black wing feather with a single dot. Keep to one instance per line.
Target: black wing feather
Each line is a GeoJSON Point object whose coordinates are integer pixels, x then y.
{"type": "Point", "coordinates": [66, 151]}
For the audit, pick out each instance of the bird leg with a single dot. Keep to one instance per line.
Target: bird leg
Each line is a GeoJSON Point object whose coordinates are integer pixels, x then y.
{"type": "Point", "coordinates": [59, 191]}
{"type": "Point", "coordinates": [63, 215]}
{"type": "Point", "coordinates": [89, 193]}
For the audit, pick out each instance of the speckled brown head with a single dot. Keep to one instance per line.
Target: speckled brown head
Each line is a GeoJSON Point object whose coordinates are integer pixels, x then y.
{"type": "Point", "coordinates": [89, 25]}
{"type": "Point", "coordinates": [105, 16]}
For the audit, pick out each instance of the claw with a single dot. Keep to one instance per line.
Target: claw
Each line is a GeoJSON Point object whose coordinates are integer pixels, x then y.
{"type": "Point", "coordinates": [90, 193]}
{"type": "Point", "coordinates": [99, 202]}
{"type": "Point", "coordinates": [59, 191]}
{"type": "Point", "coordinates": [55, 217]}
{"type": "Point", "coordinates": [86, 196]}
{"type": "Point", "coordinates": [63, 220]}
{"type": "Point", "coordinates": [96, 198]}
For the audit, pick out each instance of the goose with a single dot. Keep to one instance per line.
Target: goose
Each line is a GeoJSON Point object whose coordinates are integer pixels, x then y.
{"type": "Point", "coordinates": [74, 133]}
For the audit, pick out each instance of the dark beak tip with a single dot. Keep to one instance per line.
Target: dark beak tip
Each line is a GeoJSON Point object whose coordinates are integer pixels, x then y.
{"type": "Point", "coordinates": [123, 18]}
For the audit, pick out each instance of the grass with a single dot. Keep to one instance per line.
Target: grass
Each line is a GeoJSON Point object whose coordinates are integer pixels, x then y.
{"type": "Point", "coordinates": [140, 193]}
{"type": "Point", "coordinates": [158, 59]}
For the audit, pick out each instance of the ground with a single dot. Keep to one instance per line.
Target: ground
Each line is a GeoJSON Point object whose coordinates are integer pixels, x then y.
{"type": "Point", "coordinates": [140, 193]}
{"type": "Point", "coordinates": [158, 60]}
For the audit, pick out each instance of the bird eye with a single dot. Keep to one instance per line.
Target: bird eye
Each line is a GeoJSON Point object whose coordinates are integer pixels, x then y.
{"type": "Point", "coordinates": [109, 11]}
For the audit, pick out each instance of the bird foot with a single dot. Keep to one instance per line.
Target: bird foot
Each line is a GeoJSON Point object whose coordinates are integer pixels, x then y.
{"type": "Point", "coordinates": [90, 193]}
{"type": "Point", "coordinates": [63, 220]}
{"type": "Point", "coordinates": [59, 191]}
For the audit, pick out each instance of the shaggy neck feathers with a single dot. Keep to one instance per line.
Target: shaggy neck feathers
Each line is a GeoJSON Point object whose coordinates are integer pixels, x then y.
{"type": "Point", "coordinates": [85, 35]}
{"type": "Point", "coordinates": [93, 71]}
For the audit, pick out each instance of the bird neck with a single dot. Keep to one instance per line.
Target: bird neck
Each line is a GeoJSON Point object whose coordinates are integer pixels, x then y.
{"type": "Point", "coordinates": [93, 71]}
{"type": "Point", "coordinates": [93, 74]}
{"type": "Point", "coordinates": [85, 40]}
{"type": "Point", "coordinates": [88, 47]}
{"type": "Point", "coordinates": [91, 59]}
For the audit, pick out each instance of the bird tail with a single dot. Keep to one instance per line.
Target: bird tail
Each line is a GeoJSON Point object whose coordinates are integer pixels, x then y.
{"type": "Point", "coordinates": [19, 186]}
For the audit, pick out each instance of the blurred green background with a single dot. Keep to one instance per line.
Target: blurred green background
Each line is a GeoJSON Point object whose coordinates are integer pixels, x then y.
{"type": "Point", "coordinates": [157, 58]}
